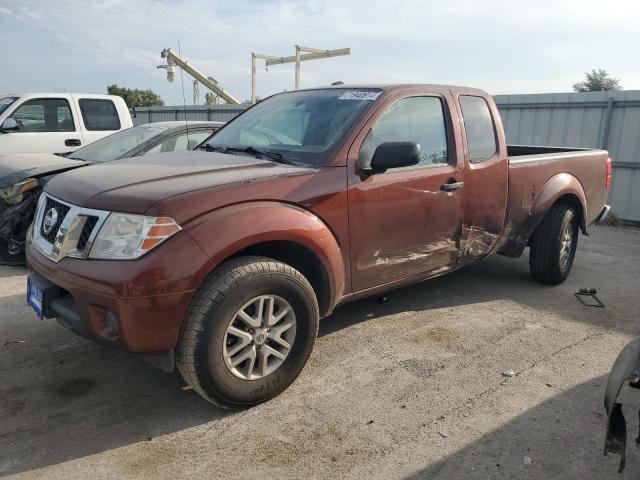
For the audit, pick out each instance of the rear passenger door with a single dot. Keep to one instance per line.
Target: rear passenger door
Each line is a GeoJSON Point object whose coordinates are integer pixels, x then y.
{"type": "Point", "coordinates": [99, 118]}
{"type": "Point", "coordinates": [486, 176]}
{"type": "Point", "coordinates": [46, 125]}
{"type": "Point", "coordinates": [405, 222]}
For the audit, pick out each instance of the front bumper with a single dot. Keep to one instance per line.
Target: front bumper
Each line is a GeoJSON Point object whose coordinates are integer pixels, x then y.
{"type": "Point", "coordinates": [135, 306]}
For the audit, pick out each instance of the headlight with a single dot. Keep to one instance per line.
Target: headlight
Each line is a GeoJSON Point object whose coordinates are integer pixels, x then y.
{"type": "Point", "coordinates": [13, 193]}
{"type": "Point", "coordinates": [126, 237]}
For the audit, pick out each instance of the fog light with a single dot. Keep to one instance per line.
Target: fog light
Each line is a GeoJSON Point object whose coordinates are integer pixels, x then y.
{"type": "Point", "coordinates": [104, 322]}
{"type": "Point", "coordinates": [111, 327]}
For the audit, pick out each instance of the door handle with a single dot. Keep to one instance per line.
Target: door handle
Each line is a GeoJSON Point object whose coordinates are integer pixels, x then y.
{"type": "Point", "coordinates": [449, 187]}
{"type": "Point", "coordinates": [72, 142]}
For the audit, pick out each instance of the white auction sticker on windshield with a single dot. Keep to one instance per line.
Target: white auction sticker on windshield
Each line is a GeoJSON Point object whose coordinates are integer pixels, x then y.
{"type": "Point", "coordinates": [354, 95]}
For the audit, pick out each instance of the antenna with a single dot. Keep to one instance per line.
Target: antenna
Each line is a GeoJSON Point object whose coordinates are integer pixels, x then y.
{"type": "Point", "coordinates": [184, 101]}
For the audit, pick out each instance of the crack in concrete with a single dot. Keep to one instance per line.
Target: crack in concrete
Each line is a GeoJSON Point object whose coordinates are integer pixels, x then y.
{"type": "Point", "coordinates": [471, 400]}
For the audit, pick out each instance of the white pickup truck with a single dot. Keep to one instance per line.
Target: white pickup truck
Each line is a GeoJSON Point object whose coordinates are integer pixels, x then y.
{"type": "Point", "coordinates": [58, 122]}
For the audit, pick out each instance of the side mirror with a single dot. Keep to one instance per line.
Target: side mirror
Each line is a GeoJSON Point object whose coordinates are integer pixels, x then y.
{"type": "Point", "coordinates": [395, 155]}
{"type": "Point", "coordinates": [9, 125]}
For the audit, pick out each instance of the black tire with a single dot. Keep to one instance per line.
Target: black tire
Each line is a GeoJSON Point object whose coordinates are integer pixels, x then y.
{"type": "Point", "coordinates": [545, 256]}
{"type": "Point", "coordinates": [12, 253]}
{"type": "Point", "coordinates": [199, 351]}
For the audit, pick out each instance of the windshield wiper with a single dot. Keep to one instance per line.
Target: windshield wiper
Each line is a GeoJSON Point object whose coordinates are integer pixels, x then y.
{"type": "Point", "coordinates": [275, 156]}
{"type": "Point", "coordinates": [212, 148]}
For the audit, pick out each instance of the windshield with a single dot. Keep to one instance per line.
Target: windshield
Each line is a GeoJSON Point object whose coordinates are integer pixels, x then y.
{"type": "Point", "coordinates": [116, 145]}
{"type": "Point", "coordinates": [5, 102]}
{"type": "Point", "coordinates": [303, 126]}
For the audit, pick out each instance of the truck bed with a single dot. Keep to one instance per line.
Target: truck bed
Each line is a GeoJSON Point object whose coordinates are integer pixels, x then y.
{"type": "Point", "coordinates": [534, 172]}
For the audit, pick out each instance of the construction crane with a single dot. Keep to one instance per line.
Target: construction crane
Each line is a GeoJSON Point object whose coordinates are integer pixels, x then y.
{"type": "Point", "coordinates": [312, 54]}
{"type": "Point", "coordinates": [173, 60]}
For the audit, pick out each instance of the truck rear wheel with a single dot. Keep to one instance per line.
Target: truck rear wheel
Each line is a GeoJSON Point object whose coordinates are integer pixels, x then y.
{"type": "Point", "coordinates": [248, 332]}
{"type": "Point", "coordinates": [553, 245]}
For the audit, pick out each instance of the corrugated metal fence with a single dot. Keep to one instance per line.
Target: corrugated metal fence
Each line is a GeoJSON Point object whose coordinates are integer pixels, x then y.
{"type": "Point", "coordinates": [609, 120]}
{"type": "Point", "coordinates": [218, 113]}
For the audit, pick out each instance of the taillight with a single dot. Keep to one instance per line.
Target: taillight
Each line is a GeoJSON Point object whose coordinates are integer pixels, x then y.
{"type": "Point", "coordinates": [607, 175]}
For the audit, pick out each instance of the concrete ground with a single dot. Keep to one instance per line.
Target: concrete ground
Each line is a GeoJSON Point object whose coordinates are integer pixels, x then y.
{"type": "Point", "coordinates": [408, 389]}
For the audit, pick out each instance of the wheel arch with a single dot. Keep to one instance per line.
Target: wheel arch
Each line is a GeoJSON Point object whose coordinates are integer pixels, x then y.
{"type": "Point", "coordinates": [286, 233]}
{"type": "Point", "coordinates": [564, 189]}
{"type": "Point", "coordinates": [299, 257]}
{"type": "Point", "coordinates": [572, 200]}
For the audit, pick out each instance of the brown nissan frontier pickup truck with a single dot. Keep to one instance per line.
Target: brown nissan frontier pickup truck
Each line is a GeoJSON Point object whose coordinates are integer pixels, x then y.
{"type": "Point", "coordinates": [222, 261]}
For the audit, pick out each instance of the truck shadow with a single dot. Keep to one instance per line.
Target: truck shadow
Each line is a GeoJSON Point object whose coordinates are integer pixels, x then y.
{"type": "Point", "coordinates": [64, 397]}
{"type": "Point", "coordinates": [506, 279]}
{"type": "Point", "coordinates": [563, 437]}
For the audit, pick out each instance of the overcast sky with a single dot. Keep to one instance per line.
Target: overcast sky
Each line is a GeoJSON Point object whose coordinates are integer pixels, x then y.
{"type": "Point", "coordinates": [501, 46]}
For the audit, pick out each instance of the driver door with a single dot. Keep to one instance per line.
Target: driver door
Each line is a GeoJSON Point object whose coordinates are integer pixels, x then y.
{"type": "Point", "coordinates": [407, 221]}
{"type": "Point", "coordinates": [47, 125]}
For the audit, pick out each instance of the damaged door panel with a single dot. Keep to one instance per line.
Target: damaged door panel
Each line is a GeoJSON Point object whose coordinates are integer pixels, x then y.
{"type": "Point", "coordinates": [408, 221]}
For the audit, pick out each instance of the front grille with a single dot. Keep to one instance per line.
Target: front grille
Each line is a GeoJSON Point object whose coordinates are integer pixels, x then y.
{"type": "Point", "coordinates": [49, 232]}
{"type": "Point", "coordinates": [74, 240]}
{"type": "Point", "coordinates": [89, 225]}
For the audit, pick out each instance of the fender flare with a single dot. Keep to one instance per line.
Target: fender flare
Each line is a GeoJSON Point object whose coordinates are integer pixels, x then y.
{"type": "Point", "coordinates": [224, 232]}
{"type": "Point", "coordinates": [560, 185]}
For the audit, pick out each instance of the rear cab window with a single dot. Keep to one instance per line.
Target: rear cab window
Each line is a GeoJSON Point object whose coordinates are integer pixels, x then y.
{"type": "Point", "coordinates": [44, 115]}
{"type": "Point", "coordinates": [99, 114]}
{"type": "Point", "coordinates": [479, 128]}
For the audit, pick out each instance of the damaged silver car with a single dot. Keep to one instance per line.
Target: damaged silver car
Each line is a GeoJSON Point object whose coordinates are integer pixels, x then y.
{"type": "Point", "coordinates": [24, 175]}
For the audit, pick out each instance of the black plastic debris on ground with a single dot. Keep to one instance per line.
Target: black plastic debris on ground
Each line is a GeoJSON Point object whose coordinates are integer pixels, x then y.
{"type": "Point", "coordinates": [587, 297]}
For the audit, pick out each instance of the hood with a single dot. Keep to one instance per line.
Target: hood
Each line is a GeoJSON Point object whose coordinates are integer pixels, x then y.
{"type": "Point", "coordinates": [132, 185]}
{"type": "Point", "coordinates": [15, 167]}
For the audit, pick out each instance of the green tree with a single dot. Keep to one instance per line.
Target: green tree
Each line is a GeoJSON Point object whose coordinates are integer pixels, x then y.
{"type": "Point", "coordinates": [135, 97]}
{"type": "Point", "coordinates": [210, 99]}
{"type": "Point", "coordinates": [597, 81]}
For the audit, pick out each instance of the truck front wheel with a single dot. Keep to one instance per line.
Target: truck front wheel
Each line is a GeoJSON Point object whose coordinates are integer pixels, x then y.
{"type": "Point", "coordinates": [248, 333]}
{"type": "Point", "coordinates": [553, 245]}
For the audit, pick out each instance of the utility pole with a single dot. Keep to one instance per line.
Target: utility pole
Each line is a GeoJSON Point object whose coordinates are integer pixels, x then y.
{"type": "Point", "coordinates": [254, 56]}
{"type": "Point", "coordinates": [196, 92]}
{"type": "Point", "coordinates": [311, 54]}
{"type": "Point", "coordinates": [297, 84]}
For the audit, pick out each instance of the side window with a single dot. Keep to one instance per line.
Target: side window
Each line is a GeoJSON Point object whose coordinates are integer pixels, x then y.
{"type": "Point", "coordinates": [44, 115]}
{"type": "Point", "coordinates": [99, 115]}
{"type": "Point", "coordinates": [419, 120]}
{"type": "Point", "coordinates": [181, 143]}
{"type": "Point", "coordinates": [478, 125]}
{"type": "Point", "coordinates": [190, 141]}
